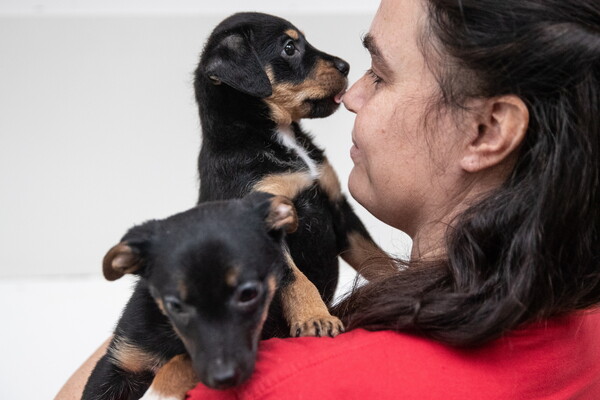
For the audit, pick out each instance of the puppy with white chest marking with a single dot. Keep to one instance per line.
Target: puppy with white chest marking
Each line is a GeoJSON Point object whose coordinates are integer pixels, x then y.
{"type": "Point", "coordinates": [257, 78]}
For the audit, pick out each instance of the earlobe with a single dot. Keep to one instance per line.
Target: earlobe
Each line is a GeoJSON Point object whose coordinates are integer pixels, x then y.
{"type": "Point", "coordinates": [498, 130]}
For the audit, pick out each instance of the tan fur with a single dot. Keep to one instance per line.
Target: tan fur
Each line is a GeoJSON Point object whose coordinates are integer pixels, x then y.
{"type": "Point", "coordinates": [231, 276]}
{"type": "Point", "coordinates": [360, 251]}
{"type": "Point", "coordinates": [175, 378]}
{"type": "Point", "coordinates": [271, 289]}
{"type": "Point", "coordinates": [131, 358]}
{"type": "Point", "coordinates": [293, 34]}
{"type": "Point", "coordinates": [120, 260]}
{"type": "Point", "coordinates": [329, 182]}
{"type": "Point", "coordinates": [282, 215]}
{"type": "Point", "coordinates": [161, 306]}
{"type": "Point", "coordinates": [286, 184]}
{"type": "Point", "coordinates": [304, 309]}
{"type": "Point", "coordinates": [183, 290]}
{"type": "Point", "coordinates": [288, 101]}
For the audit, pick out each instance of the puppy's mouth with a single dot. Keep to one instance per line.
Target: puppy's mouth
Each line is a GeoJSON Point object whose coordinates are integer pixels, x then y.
{"type": "Point", "coordinates": [324, 107]}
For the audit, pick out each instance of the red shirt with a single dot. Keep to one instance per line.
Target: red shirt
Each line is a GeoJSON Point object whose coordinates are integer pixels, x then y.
{"type": "Point", "coordinates": [558, 359]}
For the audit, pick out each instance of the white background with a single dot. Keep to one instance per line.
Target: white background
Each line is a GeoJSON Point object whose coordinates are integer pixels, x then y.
{"type": "Point", "coordinates": [99, 131]}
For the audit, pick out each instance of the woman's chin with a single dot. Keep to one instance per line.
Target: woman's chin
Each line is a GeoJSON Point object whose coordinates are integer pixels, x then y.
{"type": "Point", "coordinates": [355, 187]}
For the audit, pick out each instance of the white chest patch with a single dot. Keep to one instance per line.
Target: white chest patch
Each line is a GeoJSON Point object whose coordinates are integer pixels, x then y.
{"type": "Point", "coordinates": [286, 137]}
{"type": "Point", "coordinates": [151, 394]}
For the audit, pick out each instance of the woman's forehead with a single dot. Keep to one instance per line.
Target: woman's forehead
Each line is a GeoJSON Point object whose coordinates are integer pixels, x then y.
{"type": "Point", "coordinates": [402, 15]}
{"type": "Point", "coordinates": [394, 33]}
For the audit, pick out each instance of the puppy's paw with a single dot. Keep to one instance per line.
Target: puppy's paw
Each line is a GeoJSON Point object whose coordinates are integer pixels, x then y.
{"type": "Point", "coordinates": [327, 325]}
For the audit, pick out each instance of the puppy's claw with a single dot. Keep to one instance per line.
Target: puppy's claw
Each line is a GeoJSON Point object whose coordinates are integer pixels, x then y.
{"type": "Point", "coordinates": [330, 325]}
{"type": "Point", "coordinates": [330, 329]}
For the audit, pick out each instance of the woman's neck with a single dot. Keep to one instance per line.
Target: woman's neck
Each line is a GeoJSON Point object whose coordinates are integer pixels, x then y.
{"type": "Point", "coordinates": [430, 238]}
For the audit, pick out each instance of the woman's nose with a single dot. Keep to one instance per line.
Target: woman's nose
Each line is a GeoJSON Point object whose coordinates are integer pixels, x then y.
{"type": "Point", "coordinates": [351, 98]}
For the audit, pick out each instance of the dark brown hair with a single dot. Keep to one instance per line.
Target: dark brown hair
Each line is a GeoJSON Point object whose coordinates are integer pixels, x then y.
{"type": "Point", "coordinates": [531, 249]}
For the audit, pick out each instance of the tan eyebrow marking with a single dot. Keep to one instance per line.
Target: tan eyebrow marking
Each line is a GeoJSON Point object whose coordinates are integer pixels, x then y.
{"type": "Point", "coordinates": [182, 289]}
{"type": "Point", "coordinates": [293, 34]}
{"type": "Point", "coordinates": [232, 277]}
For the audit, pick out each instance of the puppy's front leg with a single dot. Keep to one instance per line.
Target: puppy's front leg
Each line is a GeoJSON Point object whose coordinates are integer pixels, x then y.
{"type": "Point", "coordinates": [108, 381]}
{"type": "Point", "coordinates": [173, 380]}
{"type": "Point", "coordinates": [360, 251]}
{"type": "Point", "coordinates": [303, 308]}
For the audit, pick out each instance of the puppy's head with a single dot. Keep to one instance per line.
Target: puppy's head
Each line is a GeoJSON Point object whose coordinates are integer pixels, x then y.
{"type": "Point", "coordinates": [212, 271]}
{"type": "Point", "coordinates": [266, 57]}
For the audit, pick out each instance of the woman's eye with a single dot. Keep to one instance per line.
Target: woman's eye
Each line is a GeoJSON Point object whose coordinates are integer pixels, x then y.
{"type": "Point", "coordinates": [374, 77]}
{"type": "Point", "coordinates": [289, 48]}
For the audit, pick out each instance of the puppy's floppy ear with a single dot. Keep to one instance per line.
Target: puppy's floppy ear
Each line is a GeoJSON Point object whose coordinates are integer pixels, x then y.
{"type": "Point", "coordinates": [278, 212]}
{"type": "Point", "coordinates": [129, 256]}
{"type": "Point", "coordinates": [282, 215]}
{"type": "Point", "coordinates": [234, 62]}
{"type": "Point", "coordinates": [120, 260]}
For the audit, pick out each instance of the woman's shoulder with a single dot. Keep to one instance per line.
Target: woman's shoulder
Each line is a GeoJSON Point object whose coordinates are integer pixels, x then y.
{"type": "Point", "coordinates": [385, 364]}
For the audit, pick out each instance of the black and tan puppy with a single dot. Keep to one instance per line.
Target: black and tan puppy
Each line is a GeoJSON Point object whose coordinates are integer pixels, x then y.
{"type": "Point", "coordinates": [257, 78]}
{"type": "Point", "coordinates": [207, 279]}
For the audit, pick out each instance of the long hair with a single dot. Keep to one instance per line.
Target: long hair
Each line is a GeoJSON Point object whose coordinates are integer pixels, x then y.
{"type": "Point", "coordinates": [531, 249]}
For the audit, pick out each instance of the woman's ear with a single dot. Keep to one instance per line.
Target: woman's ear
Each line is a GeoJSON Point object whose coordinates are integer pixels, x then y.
{"type": "Point", "coordinates": [496, 132]}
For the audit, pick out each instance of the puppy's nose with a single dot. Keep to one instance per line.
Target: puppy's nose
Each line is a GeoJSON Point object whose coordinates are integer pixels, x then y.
{"type": "Point", "coordinates": [225, 377]}
{"type": "Point", "coordinates": [342, 66]}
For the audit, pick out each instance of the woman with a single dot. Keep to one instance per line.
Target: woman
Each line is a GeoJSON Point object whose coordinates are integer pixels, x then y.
{"type": "Point", "coordinates": [477, 132]}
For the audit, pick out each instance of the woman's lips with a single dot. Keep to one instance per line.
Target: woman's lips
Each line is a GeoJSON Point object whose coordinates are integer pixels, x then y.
{"type": "Point", "coordinates": [339, 97]}
{"type": "Point", "coordinates": [354, 151]}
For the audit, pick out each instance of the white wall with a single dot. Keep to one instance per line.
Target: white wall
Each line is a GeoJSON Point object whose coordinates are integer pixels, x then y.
{"type": "Point", "coordinates": [98, 126]}
{"type": "Point", "coordinates": [186, 6]}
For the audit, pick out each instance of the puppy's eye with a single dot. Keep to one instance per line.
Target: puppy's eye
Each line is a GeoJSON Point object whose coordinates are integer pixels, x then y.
{"type": "Point", "coordinates": [290, 48]}
{"type": "Point", "coordinates": [173, 305]}
{"type": "Point", "coordinates": [248, 294]}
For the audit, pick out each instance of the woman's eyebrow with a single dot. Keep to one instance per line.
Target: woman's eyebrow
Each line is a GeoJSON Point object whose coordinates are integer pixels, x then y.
{"type": "Point", "coordinates": [371, 46]}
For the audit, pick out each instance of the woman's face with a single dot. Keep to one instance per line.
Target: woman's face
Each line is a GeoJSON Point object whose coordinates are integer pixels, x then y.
{"type": "Point", "coordinates": [403, 171]}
